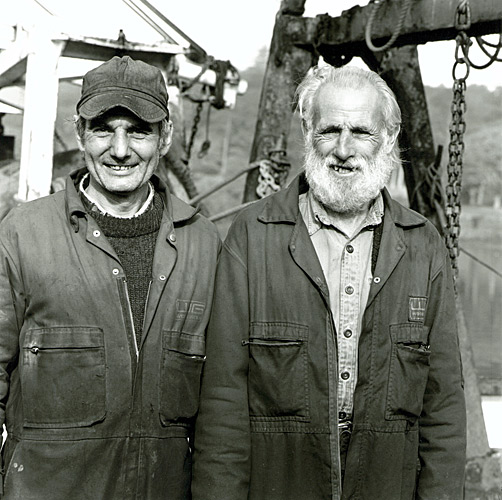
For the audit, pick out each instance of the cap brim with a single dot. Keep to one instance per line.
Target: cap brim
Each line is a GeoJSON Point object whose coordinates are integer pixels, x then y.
{"type": "Point", "coordinates": [101, 103]}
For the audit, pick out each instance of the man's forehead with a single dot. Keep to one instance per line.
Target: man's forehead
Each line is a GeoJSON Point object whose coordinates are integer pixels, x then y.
{"type": "Point", "coordinates": [361, 105]}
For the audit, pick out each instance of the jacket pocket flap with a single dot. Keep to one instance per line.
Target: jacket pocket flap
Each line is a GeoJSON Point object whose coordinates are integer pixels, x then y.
{"type": "Point", "coordinates": [66, 337]}
{"type": "Point", "coordinates": [409, 332]}
{"type": "Point", "coordinates": [186, 343]}
{"type": "Point", "coordinates": [278, 330]}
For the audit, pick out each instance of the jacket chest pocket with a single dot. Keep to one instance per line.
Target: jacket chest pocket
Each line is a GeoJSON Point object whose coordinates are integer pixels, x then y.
{"type": "Point", "coordinates": [278, 371]}
{"type": "Point", "coordinates": [182, 360]}
{"type": "Point", "coordinates": [63, 377]}
{"type": "Point", "coordinates": [409, 370]}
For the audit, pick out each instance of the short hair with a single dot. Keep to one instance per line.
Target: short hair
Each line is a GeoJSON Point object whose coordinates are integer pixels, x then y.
{"type": "Point", "coordinates": [350, 77]}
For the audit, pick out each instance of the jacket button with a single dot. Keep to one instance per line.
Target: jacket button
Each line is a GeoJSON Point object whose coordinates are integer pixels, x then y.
{"type": "Point", "coordinates": [162, 277]}
{"type": "Point", "coordinates": [376, 279]}
{"type": "Point", "coordinates": [172, 237]}
{"type": "Point", "coordinates": [349, 290]}
{"type": "Point", "coordinates": [345, 375]}
{"type": "Point", "coordinates": [115, 271]}
{"type": "Point", "coordinates": [347, 333]}
{"type": "Point", "coordinates": [96, 233]}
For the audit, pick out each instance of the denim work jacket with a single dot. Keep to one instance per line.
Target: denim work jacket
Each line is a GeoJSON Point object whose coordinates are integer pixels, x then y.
{"type": "Point", "coordinates": [88, 415]}
{"type": "Point", "coordinates": [268, 424]}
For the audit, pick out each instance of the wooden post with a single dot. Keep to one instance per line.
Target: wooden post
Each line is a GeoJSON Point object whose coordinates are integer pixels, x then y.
{"type": "Point", "coordinates": [40, 105]}
{"type": "Point", "coordinates": [400, 68]}
{"type": "Point", "coordinates": [286, 66]}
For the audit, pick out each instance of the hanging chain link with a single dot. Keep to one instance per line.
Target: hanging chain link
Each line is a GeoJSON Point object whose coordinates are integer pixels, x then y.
{"type": "Point", "coordinates": [195, 126]}
{"type": "Point", "coordinates": [273, 173]}
{"type": "Point", "coordinates": [457, 129]}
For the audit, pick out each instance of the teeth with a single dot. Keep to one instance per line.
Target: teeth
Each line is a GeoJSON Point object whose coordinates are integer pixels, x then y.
{"type": "Point", "coordinates": [119, 168]}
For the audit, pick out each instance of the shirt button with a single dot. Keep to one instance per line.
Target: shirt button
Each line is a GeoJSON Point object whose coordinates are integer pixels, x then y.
{"type": "Point", "coordinates": [347, 333]}
{"type": "Point", "coordinates": [172, 237]}
{"type": "Point", "coordinates": [96, 233]}
{"type": "Point", "coordinates": [162, 277]}
{"type": "Point", "coordinates": [115, 271]}
{"type": "Point", "coordinates": [342, 415]}
{"type": "Point", "coordinates": [376, 279]}
{"type": "Point", "coordinates": [349, 248]}
{"type": "Point", "coordinates": [345, 375]}
{"type": "Point", "coordinates": [349, 290]}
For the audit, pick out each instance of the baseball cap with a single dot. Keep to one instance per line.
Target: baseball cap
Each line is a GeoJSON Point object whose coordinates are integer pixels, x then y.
{"type": "Point", "coordinates": [127, 83]}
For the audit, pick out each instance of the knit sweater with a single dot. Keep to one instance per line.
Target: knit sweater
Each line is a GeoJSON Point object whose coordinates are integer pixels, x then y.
{"type": "Point", "coordinates": [133, 240]}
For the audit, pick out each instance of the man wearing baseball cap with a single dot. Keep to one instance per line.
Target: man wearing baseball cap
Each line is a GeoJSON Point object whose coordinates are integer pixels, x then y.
{"type": "Point", "coordinates": [105, 292]}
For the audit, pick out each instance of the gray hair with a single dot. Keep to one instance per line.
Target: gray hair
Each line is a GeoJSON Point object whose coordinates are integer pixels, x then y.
{"type": "Point", "coordinates": [350, 77]}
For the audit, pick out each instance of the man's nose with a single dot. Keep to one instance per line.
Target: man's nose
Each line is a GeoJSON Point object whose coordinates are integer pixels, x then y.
{"type": "Point", "coordinates": [120, 144]}
{"type": "Point", "coordinates": [344, 148]}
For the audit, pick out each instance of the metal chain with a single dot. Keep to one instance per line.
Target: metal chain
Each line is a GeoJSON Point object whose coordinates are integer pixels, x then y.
{"type": "Point", "coordinates": [272, 174]}
{"type": "Point", "coordinates": [457, 129]}
{"type": "Point", "coordinates": [195, 126]}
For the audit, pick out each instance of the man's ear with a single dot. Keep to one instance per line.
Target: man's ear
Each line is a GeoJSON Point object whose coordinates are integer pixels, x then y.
{"type": "Point", "coordinates": [166, 139]}
{"type": "Point", "coordinates": [80, 142]}
{"type": "Point", "coordinates": [391, 138]}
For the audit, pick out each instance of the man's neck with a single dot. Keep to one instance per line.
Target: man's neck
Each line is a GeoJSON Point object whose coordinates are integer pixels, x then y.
{"type": "Point", "coordinates": [118, 205]}
{"type": "Point", "coordinates": [349, 222]}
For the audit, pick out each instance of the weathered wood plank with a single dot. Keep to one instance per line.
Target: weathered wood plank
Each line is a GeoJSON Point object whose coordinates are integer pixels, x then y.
{"type": "Point", "coordinates": [286, 66]}
{"type": "Point", "coordinates": [426, 21]}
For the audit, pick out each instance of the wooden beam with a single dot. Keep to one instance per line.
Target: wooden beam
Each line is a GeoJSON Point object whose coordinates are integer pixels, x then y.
{"type": "Point", "coordinates": [286, 66]}
{"type": "Point", "coordinates": [426, 21]}
{"type": "Point", "coordinates": [40, 104]}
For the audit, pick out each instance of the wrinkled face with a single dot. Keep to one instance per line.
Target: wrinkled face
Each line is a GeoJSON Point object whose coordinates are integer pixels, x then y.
{"type": "Point", "coordinates": [121, 151]}
{"type": "Point", "coordinates": [346, 160]}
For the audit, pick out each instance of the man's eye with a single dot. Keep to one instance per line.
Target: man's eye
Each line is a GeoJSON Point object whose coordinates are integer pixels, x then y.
{"type": "Point", "coordinates": [138, 133]}
{"type": "Point", "coordinates": [361, 133]}
{"type": "Point", "coordinates": [101, 131]}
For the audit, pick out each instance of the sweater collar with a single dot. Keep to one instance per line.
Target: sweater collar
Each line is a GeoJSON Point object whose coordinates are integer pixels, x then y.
{"type": "Point", "coordinates": [177, 210]}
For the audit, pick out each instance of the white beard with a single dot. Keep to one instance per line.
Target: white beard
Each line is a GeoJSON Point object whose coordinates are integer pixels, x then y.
{"type": "Point", "coordinates": [351, 194]}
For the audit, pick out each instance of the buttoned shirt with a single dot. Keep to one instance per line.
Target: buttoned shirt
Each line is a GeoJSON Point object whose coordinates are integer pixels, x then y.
{"type": "Point", "coordinates": [346, 262]}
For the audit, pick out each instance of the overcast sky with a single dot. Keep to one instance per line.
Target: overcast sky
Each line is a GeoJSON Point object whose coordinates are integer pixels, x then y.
{"type": "Point", "coordinates": [227, 29]}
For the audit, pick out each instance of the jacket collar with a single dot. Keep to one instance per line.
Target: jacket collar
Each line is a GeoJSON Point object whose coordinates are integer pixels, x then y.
{"type": "Point", "coordinates": [177, 210]}
{"type": "Point", "coordinates": [283, 206]}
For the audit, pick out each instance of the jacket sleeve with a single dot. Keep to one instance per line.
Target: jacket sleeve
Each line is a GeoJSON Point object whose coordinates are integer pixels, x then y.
{"type": "Point", "coordinates": [222, 433]}
{"type": "Point", "coordinates": [443, 420]}
{"type": "Point", "coordinates": [11, 311]}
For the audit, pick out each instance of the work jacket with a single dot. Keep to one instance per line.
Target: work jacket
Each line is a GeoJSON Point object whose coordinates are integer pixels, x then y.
{"type": "Point", "coordinates": [90, 414]}
{"type": "Point", "coordinates": [268, 422]}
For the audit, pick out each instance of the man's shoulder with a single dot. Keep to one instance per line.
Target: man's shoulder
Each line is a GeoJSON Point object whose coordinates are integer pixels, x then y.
{"type": "Point", "coordinates": [25, 213]}
{"type": "Point", "coordinates": [187, 216]}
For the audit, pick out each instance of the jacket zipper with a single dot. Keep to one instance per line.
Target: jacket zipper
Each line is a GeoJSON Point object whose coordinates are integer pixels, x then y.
{"type": "Point", "coordinates": [131, 321]}
{"type": "Point", "coordinates": [272, 342]}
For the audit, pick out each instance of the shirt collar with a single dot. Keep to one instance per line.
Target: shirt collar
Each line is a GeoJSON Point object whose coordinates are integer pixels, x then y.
{"type": "Point", "coordinates": [82, 188]}
{"type": "Point", "coordinates": [316, 216]}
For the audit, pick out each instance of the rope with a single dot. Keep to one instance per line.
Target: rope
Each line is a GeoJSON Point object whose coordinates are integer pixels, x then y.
{"type": "Point", "coordinates": [479, 261]}
{"type": "Point", "coordinates": [457, 128]}
{"type": "Point", "coordinates": [375, 5]}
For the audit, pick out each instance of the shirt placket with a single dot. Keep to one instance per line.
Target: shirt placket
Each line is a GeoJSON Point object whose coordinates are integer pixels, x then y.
{"type": "Point", "coordinates": [348, 331]}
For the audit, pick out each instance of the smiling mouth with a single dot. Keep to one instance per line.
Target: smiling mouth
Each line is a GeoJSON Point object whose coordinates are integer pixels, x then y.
{"type": "Point", "coordinates": [343, 169]}
{"type": "Point", "coordinates": [120, 168]}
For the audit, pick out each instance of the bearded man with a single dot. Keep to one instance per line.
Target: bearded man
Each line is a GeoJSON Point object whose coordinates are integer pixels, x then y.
{"type": "Point", "coordinates": [333, 368]}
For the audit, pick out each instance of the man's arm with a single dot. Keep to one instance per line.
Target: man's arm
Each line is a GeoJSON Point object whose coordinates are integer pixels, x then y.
{"type": "Point", "coordinates": [443, 420]}
{"type": "Point", "coordinates": [10, 320]}
{"type": "Point", "coordinates": [222, 435]}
